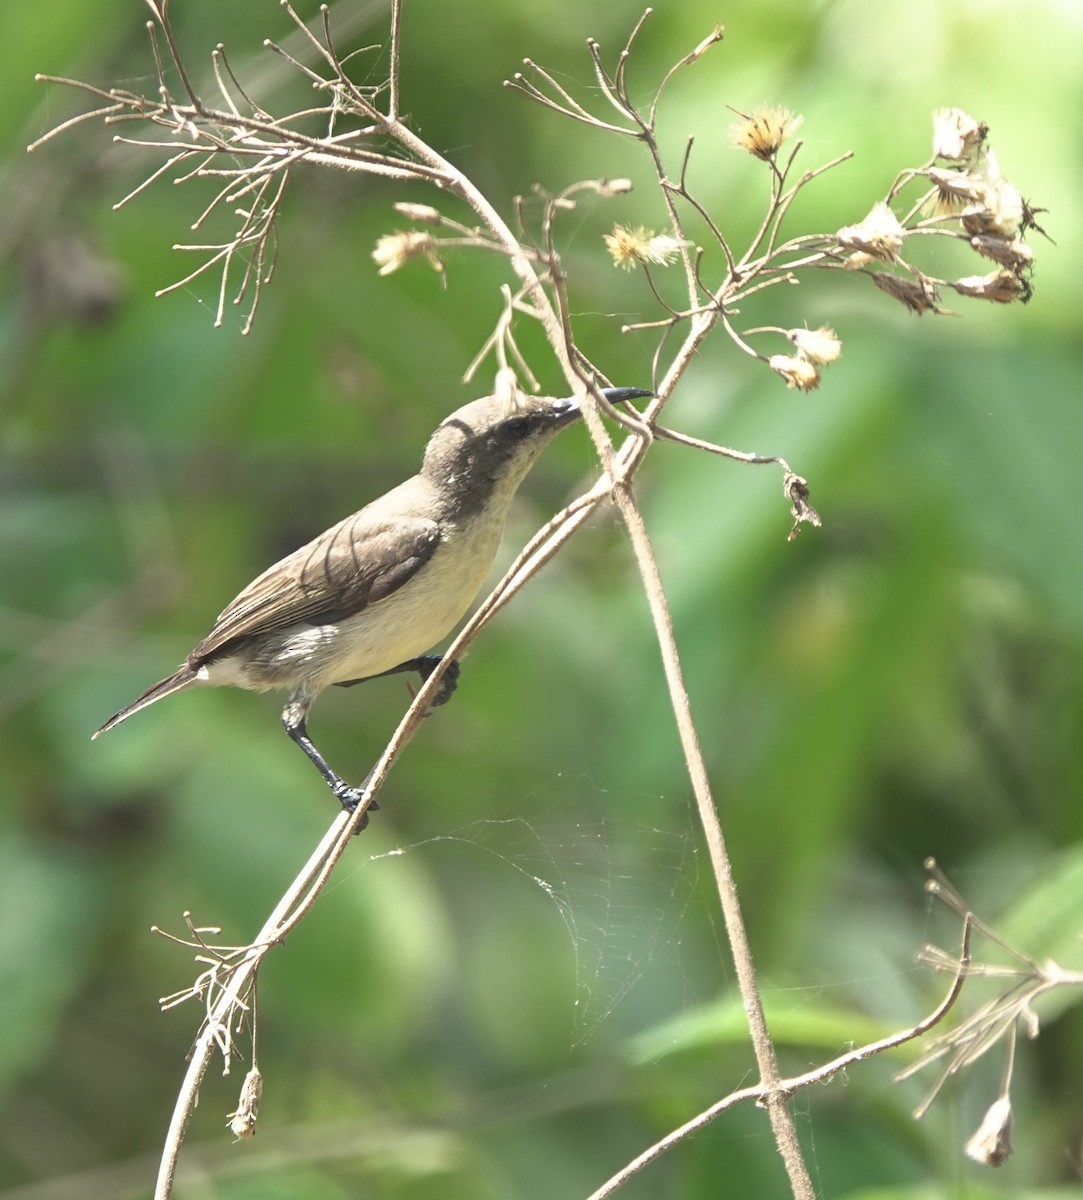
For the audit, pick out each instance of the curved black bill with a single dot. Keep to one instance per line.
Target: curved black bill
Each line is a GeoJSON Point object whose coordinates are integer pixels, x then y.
{"type": "Point", "coordinates": [622, 395]}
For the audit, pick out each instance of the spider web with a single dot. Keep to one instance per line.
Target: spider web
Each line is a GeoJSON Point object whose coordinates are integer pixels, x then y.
{"type": "Point", "coordinates": [621, 887]}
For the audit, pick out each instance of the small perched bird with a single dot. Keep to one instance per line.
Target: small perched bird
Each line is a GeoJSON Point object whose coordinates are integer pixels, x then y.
{"type": "Point", "coordinates": [370, 595]}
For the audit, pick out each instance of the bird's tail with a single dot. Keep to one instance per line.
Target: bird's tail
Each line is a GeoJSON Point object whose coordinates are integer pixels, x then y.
{"type": "Point", "coordinates": [186, 677]}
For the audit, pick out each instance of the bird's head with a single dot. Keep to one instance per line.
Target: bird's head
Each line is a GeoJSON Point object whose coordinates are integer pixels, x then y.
{"type": "Point", "coordinates": [488, 446]}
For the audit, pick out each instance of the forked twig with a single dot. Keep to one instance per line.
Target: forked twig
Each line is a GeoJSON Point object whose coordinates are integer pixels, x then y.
{"type": "Point", "coordinates": [793, 1084]}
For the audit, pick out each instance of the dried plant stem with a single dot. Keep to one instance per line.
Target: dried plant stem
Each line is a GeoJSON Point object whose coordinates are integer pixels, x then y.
{"type": "Point", "coordinates": [621, 494]}
{"type": "Point", "coordinates": [774, 1096]}
{"type": "Point", "coordinates": [766, 1060]}
{"type": "Point", "coordinates": [619, 469]}
{"type": "Point", "coordinates": [795, 1083]}
{"type": "Point", "coordinates": [309, 882]}
{"type": "Point", "coordinates": [218, 1019]}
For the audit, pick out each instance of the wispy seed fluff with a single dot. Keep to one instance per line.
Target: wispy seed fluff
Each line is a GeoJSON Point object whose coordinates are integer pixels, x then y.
{"type": "Point", "coordinates": [627, 247]}
{"type": "Point", "coordinates": [762, 131]}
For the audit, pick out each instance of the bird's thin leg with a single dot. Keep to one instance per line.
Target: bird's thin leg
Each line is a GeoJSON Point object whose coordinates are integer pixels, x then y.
{"type": "Point", "coordinates": [294, 717]}
{"type": "Point", "coordinates": [424, 665]}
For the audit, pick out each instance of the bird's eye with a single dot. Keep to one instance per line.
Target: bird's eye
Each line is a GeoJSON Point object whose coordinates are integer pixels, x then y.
{"type": "Point", "coordinates": [519, 427]}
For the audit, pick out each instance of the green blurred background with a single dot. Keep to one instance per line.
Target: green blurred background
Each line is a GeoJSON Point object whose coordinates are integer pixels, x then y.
{"type": "Point", "coordinates": [517, 979]}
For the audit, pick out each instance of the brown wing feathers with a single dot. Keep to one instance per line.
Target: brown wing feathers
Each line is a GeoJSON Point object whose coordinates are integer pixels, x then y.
{"type": "Point", "coordinates": [325, 581]}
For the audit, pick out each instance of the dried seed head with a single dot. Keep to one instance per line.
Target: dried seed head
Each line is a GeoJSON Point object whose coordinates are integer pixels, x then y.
{"type": "Point", "coordinates": [507, 390]}
{"type": "Point", "coordinates": [954, 189]}
{"type": "Point", "coordinates": [1015, 254]}
{"type": "Point", "coordinates": [763, 131]}
{"type": "Point", "coordinates": [614, 187]}
{"type": "Point", "coordinates": [919, 295]}
{"type": "Point", "coordinates": [999, 210]}
{"type": "Point", "coordinates": [394, 250]}
{"type": "Point", "coordinates": [956, 135]}
{"type": "Point", "coordinates": [626, 246]}
{"type": "Point", "coordinates": [242, 1123]}
{"type": "Point", "coordinates": [960, 185]}
{"type": "Point", "coordinates": [1001, 287]}
{"type": "Point", "coordinates": [798, 372]}
{"type": "Point", "coordinates": [424, 214]}
{"type": "Point", "coordinates": [630, 246]}
{"type": "Point", "coordinates": [879, 234]}
{"type": "Point", "coordinates": [716, 35]}
{"type": "Point", "coordinates": [820, 346]}
{"type": "Point", "coordinates": [991, 1143]}
{"type": "Point", "coordinates": [795, 489]}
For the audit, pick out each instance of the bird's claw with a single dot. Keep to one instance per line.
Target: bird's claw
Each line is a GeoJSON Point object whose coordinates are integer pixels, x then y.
{"type": "Point", "coordinates": [350, 797]}
{"type": "Point", "coordinates": [449, 681]}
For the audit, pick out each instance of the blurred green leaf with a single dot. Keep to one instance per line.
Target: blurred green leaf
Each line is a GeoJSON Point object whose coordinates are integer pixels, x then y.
{"type": "Point", "coordinates": [816, 1025]}
{"type": "Point", "coordinates": [49, 902]}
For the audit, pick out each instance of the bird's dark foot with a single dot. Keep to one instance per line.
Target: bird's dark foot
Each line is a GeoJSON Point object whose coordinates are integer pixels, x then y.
{"type": "Point", "coordinates": [449, 681]}
{"type": "Point", "coordinates": [424, 665]}
{"type": "Point", "coordinates": [350, 797]}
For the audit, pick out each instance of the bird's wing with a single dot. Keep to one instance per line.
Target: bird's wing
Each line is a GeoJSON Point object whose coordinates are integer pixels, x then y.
{"type": "Point", "coordinates": [351, 566]}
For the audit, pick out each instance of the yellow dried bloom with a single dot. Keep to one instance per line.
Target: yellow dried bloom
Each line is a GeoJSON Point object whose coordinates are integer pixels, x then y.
{"type": "Point", "coordinates": [626, 245]}
{"type": "Point", "coordinates": [991, 1143]}
{"type": "Point", "coordinates": [763, 131]}
{"type": "Point", "coordinates": [956, 135]}
{"type": "Point", "coordinates": [879, 234]}
{"type": "Point", "coordinates": [798, 372]}
{"type": "Point", "coordinates": [820, 346]}
{"type": "Point", "coordinates": [630, 246]}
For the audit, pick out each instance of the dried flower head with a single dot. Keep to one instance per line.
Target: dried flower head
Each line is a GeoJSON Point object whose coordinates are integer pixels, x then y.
{"type": "Point", "coordinates": [1001, 287]}
{"type": "Point", "coordinates": [630, 246]}
{"type": "Point", "coordinates": [991, 1143]}
{"type": "Point", "coordinates": [507, 390]}
{"type": "Point", "coordinates": [614, 187]}
{"type": "Point", "coordinates": [957, 184]}
{"type": "Point", "coordinates": [954, 189]}
{"type": "Point", "coordinates": [798, 372]}
{"type": "Point", "coordinates": [394, 250]}
{"type": "Point", "coordinates": [879, 234]}
{"type": "Point", "coordinates": [1014, 254]}
{"type": "Point", "coordinates": [795, 489]}
{"type": "Point", "coordinates": [242, 1123]}
{"type": "Point", "coordinates": [820, 346]}
{"type": "Point", "coordinates": [918, 295]}
{"type": "Point", "coordinates": [956, 135]}
{"type": "Point", "coordinates": [763, 131]}
{"type": "Point", "coordinates": [998, 210]}
{"type": "Point", "coordinates": [716, 35]}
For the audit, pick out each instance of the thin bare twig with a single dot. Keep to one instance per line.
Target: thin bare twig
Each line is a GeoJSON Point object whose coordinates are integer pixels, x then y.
{"type": "Point", "coordinates": [795, 1083]}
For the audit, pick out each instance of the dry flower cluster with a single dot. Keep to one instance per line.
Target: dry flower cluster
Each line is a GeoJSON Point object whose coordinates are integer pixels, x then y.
{"type": "Point", "coordinates": [996, 1023]}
